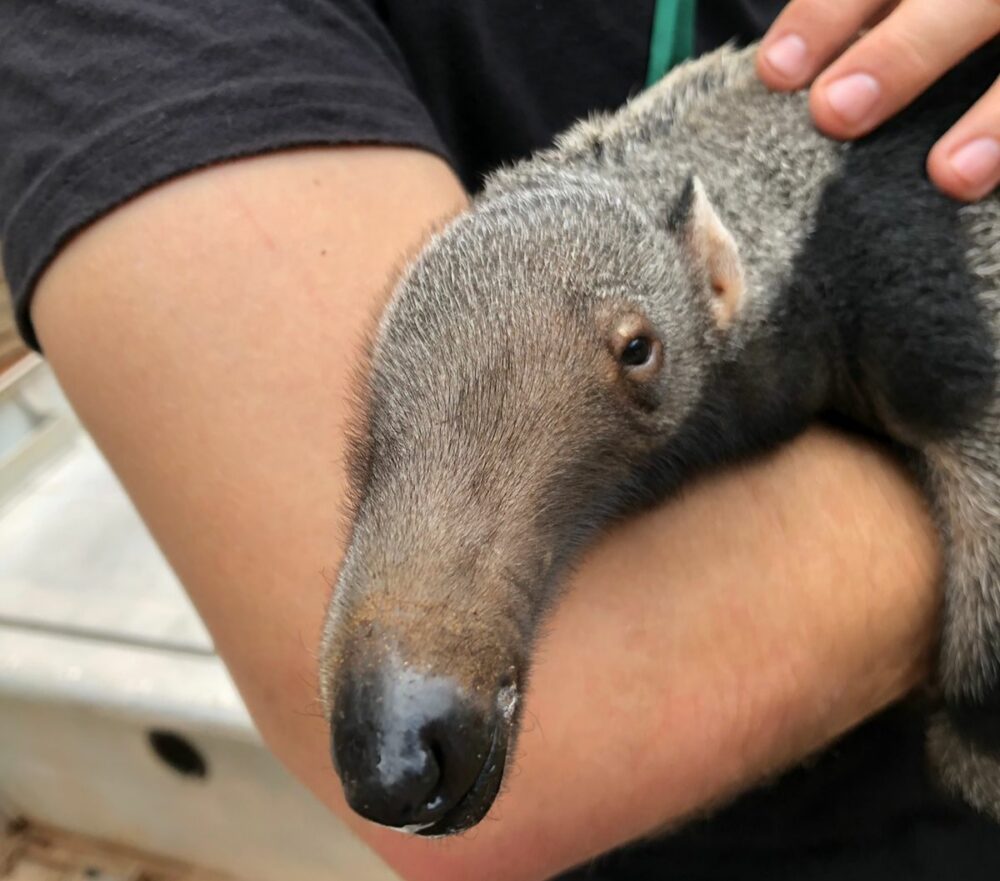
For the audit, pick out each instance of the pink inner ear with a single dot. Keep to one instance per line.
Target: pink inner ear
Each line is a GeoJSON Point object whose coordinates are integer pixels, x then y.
{"type": "Point", "coordinates": [713, 246]}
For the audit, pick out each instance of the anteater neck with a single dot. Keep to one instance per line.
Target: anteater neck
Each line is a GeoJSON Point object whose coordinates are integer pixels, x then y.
{"type": "Point", "coordinates": [762, 393]}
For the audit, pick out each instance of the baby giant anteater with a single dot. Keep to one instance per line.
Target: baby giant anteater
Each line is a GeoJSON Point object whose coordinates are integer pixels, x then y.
{"type": "Point", "coordinates": [689, 280]}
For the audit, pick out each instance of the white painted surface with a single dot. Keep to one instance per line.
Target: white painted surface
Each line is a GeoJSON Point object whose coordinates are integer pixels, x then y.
{"type": "Point", "coordinates": [99, 644]}
{"type": "Point", "coordinates": [78, 768]}
{"type": "Point", "coordinates": [75, 556]}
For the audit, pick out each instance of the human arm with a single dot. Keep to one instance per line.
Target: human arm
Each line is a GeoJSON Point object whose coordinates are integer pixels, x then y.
{"type": "Point", "coordinates": [206, 332]}
{"type": "Point", "coordinates": [906, 49]}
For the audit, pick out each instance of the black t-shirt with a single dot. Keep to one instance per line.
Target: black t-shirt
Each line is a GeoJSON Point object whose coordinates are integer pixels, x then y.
{"type": "Point", "coordinates": [102, 99]}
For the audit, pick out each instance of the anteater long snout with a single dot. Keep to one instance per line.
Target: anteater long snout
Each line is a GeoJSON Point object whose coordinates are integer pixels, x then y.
{"type": "Point", "coordinates": [423, 694]}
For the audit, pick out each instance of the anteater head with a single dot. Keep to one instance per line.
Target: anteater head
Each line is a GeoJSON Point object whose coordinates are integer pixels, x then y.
{"type": "Point", "coordinates": [526, 371]}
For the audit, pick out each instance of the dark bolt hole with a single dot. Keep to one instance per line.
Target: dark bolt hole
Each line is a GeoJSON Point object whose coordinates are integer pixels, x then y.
{"type": "Point", "coordinates": [178, 753]}
{"type": "Point", "coordinates": [91, 872]}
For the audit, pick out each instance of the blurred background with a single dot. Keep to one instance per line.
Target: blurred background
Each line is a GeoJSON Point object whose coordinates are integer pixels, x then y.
{"type": "Point", "coordinates": [125, 752]}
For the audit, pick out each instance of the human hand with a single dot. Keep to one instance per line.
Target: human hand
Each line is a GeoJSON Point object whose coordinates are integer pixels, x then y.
{"type": "Point", "coordinates": [910, 44]}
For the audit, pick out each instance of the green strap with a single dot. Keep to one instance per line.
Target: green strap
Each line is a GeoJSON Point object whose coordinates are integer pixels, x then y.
{"type": "Point", "coordinates": [672, 38]}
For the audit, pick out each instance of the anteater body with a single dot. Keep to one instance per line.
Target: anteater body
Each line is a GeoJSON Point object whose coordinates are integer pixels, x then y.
{"type": "Point", "coordinates": [685, 282]}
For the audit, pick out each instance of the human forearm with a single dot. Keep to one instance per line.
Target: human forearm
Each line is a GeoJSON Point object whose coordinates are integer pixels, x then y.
{"type": "Point", "coordinates": [207, 332]}
{"type": "Point", "coordinates": [706, 646]}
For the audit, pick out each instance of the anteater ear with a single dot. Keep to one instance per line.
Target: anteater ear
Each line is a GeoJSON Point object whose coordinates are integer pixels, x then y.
{"type": "Point", "coordinates": [712, 248]}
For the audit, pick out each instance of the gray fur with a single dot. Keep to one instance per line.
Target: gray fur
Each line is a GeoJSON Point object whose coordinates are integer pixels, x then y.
{"type": "Point", "coordinates": [499, 433]}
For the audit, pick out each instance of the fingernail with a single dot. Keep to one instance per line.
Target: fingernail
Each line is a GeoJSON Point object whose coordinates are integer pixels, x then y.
{"type": "Point", "coordinates": [788, 56]}
{"type": "Point", "coordinates": [853, 97]}
{"type": "Point", "coordinates": [978, 162]}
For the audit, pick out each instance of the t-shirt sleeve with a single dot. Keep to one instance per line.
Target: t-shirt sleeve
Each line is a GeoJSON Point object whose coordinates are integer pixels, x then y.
{"type": "Point", "coordinates": [102, 99]}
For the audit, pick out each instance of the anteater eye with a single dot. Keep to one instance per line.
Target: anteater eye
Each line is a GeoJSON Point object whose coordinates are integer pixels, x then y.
{"type": "Point", "coordinates": [637, 352]}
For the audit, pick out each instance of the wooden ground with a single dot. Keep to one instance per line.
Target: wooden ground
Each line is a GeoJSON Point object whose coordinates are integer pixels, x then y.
{"type": "Point", "coordinates": [34, 853]}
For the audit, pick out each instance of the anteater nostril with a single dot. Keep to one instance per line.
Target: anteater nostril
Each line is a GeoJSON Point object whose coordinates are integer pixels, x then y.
{"type": "Point", "coordinates": [437, 754]}
{"type": "Point", "coordinates": [436, 798]}
{"type": "Point", "coordinates": [408, 747]}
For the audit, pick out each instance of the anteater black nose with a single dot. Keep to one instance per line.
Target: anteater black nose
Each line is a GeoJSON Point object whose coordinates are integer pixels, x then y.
{"type": "Point", "coordinates": [407, 747]}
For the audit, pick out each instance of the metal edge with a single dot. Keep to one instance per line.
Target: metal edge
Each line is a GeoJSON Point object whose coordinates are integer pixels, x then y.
{"type": "Point", "coordinates": [142, 684]}
{"type": "Point", "coordinates": [13, 375]}
{"type": "Point", "coordinates": [40, 449]}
